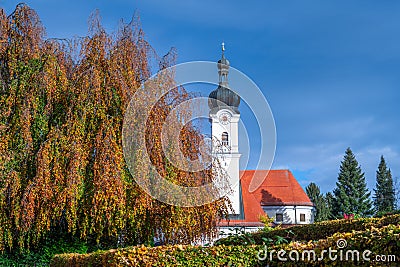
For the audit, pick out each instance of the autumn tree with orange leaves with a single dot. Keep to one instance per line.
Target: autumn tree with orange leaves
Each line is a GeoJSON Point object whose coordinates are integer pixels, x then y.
{"type": "Point", "coordinates": [62, 170]}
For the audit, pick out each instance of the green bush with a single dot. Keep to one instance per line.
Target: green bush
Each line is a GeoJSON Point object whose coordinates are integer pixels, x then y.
{"type": "Point", "coordinates": [42, 255]}
{"type": "Point", "coordinates": [177, 255]}
{"type": "Point", "coordinates": [380, 241]}
{"type": "Point", "coordinates": [385, 241]}
{"type": "Point", "coordinates": [315, 231]}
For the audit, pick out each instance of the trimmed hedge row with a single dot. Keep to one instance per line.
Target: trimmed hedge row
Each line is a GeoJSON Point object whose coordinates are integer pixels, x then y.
{"type": "Point", "coordinates": [383, 241]}
{"type": "Point", "coordinates": [316, 231]}
{"type": "Point", "coordinates": [164, 256]}
{"type": "Point", "coordinates": [380, 241]}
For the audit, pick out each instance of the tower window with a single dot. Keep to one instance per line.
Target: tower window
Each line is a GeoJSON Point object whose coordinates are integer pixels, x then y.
{"type": "Point", "coordinates": [225, 139]}
{"type": "Point", "coordinates": [302, 217]}
{"type": "Point", "coordinates": [279, 217]}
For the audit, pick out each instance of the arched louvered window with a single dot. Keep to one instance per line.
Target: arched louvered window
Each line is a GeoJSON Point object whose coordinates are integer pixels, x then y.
{"type": "Point", "coordinates": [225, 139]}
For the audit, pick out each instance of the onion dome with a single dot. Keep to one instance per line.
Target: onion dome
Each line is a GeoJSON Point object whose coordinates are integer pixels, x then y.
{"type": "Point", "coordinates": [223, 97]}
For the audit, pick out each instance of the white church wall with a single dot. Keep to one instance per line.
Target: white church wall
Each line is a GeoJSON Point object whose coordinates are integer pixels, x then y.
{"type": "Point", "coordinates": [228, 154]}
{"type": "Point", "coordinates": [291, 214]}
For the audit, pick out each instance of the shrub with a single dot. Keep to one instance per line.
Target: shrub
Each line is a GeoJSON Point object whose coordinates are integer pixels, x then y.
{"type": "Point", "coordinates": [42, 256]}
{"type": "Point", "coordinates": [316, 231]}
{"type": "Point", "coordinates": [383, 241]}
{"type": "Point", "coordinates": [177, 255]}
{"type": "Point", "coordinates": [380, 241]}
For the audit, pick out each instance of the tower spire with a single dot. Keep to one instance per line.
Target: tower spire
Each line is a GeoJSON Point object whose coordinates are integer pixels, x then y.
{"type": "Point", "coordinates": [225, 116]}
{"type": "Point", "coordinates": [223, 50]}
{"type": "Point", "coordinates": [223, 67]}
{"type": "Point", "coordinates": [223, 96]}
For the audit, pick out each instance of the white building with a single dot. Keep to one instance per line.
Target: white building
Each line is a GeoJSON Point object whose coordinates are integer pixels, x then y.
{"type": "Point", "coordinates": [280, 195]}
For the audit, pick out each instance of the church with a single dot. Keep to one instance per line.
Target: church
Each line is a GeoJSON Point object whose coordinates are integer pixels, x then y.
{"type": "Point", "coordinates": [280, 195]}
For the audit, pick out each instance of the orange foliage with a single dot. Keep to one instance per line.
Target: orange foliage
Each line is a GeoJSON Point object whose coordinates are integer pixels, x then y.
{"type": "Point", "coordinates": [61, 163]}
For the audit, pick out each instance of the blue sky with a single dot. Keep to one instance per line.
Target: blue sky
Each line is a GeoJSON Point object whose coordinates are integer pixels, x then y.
{"type": "Point", "coordinates": [330, 70]}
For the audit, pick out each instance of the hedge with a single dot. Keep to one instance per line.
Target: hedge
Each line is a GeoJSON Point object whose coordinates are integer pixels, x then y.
{"type": "Point", "coordinates": [380, 236]}
{"type": "Point", "coordinates": [315, 231]}
{"type": "Point", "coordinates": [380, 241]}
{"type": "Point", "coordinates": [177, 255]}
{"type": "Point", "coordinates": [385, 240]}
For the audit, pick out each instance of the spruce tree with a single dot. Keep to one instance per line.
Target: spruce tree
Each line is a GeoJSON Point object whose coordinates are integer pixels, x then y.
{"type": "Point", "coordinates": [329, 200]}
{"type": "Point", "coordinates": [351, 193]}
{"type": "Point", "coordinates": [318, 199]}
{"type": "Point", "coordinates": [384, 197]}
{"type": "Point", "coordinates": [396, 186]}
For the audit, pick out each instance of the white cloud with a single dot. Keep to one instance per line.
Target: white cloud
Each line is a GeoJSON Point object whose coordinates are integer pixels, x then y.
{"type": "Point", "coordinates": [320, 163]}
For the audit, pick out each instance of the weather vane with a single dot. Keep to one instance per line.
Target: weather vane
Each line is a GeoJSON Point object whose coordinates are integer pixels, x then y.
{"type": "Point", "coordinates": [223, 46]}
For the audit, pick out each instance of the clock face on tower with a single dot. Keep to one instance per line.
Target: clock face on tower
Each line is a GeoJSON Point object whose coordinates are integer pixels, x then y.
{"type": "Point", "coordinates": [224, 118]}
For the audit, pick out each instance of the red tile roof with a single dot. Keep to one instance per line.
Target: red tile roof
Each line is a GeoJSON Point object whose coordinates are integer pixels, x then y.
{"type": "Point", "coordinates": [278, 188]}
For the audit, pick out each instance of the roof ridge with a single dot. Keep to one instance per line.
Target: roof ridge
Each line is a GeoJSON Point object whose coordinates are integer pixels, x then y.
{"type": "Point", "coordinates": [287, 170]}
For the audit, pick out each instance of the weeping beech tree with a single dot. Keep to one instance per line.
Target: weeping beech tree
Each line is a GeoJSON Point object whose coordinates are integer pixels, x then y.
{"type": "Point", "coordinates": [62, 104]}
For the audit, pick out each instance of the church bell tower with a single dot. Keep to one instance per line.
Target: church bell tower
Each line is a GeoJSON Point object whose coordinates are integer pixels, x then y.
{"type": "Point", "coordinates": [224, 116]}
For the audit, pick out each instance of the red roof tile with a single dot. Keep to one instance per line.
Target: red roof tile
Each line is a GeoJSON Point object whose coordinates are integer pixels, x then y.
{"type": "Point", "coordinates": [278, 188]}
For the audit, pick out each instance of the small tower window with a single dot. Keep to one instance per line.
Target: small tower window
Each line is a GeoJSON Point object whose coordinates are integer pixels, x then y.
{"type": "Point", "coordinates": [279, 217]}
{"type": "Point", "coordinates": [225, 139]}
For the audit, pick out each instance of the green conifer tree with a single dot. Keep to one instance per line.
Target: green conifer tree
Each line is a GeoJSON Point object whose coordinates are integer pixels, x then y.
{"type": "Point", "coordinates": [322, 211]}
{"type": "Point", "coordinates": [329, 200]}
{"type": "Point", "coordinates": [351, 193]}
{"type": "Point", "coordinates": [384, 196]}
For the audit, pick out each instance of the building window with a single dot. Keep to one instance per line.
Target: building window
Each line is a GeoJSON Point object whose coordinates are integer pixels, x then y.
{"type": "Point", "coordinates": [279, 217]}
{"type": "Point", "coordinates": [225, 139]}
{"type": "Point", "coordinates": [302, 217]}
